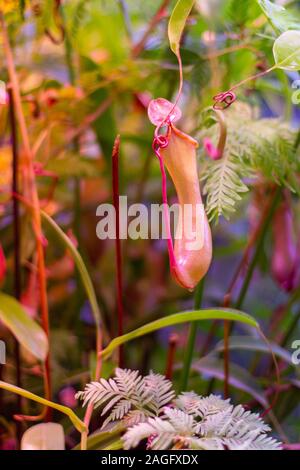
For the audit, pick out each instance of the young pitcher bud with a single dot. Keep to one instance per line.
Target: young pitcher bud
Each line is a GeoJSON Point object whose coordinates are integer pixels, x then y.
{"type": "Point", "coordinates": [284, 258]}
{"type": "Point", "coordinates": [2, 265]}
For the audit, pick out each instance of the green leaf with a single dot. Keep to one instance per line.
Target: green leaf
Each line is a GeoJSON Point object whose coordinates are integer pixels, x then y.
{"type": "Point", "coordinates": [86, 280]}
{"type": "Point", "coordinates": [286, 50]}
{"type": "Point", "coordinates": [27, 331]}
{"type": "Point", "coordinates": [79, 425]}
{"type": "Point", "coordinates": [238, 378]}
{"type": "Point", "coordinates": [280, 18]}
{"type": "Point", "coordinates": [177, 22]}
{"type": "Point", "coordinates": [178, 318]}
{"type": "Point", "coordinates": [249, 343]}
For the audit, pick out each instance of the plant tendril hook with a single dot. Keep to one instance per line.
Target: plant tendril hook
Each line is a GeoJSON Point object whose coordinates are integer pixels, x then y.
{"type": "Point", "coordinates": [224, 100]}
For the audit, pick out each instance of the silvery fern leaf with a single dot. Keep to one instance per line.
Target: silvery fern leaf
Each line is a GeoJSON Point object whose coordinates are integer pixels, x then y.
{"type": "Point", "coordinates": [261, 442]}
{"type": "Point", "coordinates": [161, 432]}
{"type": "Point", "coordinates": [156, 392]}
{"type": "Point", "coordinates": [129, 396]}
{"type": "Point", "coordinates": [206, 423]}
{"type": "Point", "coordinates": [120, 410]}
{"type": "Point", "coordinates": [201, 406]}
{"type": "Point", "coordinates": [148, 410]}
{"type": "Point", "coordinates": [119, 394]}
{"type": "Point", "coordinates": [183, 423]}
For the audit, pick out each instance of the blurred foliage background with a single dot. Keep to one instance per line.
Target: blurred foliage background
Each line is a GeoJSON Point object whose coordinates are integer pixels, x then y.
{"type": "Point", "coordinates": [87, 71]}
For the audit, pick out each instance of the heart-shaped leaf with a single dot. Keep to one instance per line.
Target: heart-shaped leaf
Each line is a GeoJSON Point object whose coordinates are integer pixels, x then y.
{"type": "Point", "coordinates": [280, 18]}
{"type": "Point", "coordinates": [27, 331]}
{"type": "Point", "coordinates": [286, 50]}
{"type": "Point", "coordinates": [177, 22]}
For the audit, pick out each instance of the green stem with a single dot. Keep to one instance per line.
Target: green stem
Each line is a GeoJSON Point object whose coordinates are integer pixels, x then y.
{"type": "Point", "coordinates": [297, 141]}
{"type": "Point", "coordinates": [290, 330]}
{"type": "Point", "coordinates": [258, 249]}
{"type": "Point", "coordinates": [191, 339]}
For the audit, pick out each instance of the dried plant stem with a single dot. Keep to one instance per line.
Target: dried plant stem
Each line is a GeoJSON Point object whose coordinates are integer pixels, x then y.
{"type": "Point", "coordinates": [30, 193]}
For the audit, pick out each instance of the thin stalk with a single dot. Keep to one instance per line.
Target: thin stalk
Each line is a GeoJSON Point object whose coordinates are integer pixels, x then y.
{"type": "Point", "coordinates": [173, 342]}
{"type": "Point", "coordinates": [17, 243]}
{"type": "Point", "coordinates": [191, 339]}
{"type": "Point", "coordinates": [120, 308]}
{"type": "Point", "coordinates": [30, 193]}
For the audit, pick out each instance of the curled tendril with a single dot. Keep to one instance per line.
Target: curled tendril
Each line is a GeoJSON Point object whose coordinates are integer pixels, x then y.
{"type": "Point", "coordinates": [224, 100]}
{"type": "Point", "coordinates": [160, 142]}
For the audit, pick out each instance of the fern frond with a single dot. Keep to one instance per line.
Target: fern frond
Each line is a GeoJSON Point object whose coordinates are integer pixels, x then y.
{"type": "Point", "coordinates": [97, 393]}
{"type": "Point", "coordinates": [223, 185]}
{"type": "Point", "coordinates": [147, 408]}
{"type": "Point", "coordinates": [157, 392]}
{"type": "Point", "coordinates": [161, 431]}
{"type": "Point", "coordinates": [127, 381]}
{"type": "Point", "coordinates": [134, 417]}
{"type": "Point", "coordinates": [261, 442]}
{"type": "Point", "coordinates": [192, 403]}
{"type": "Point", "coordinates": [183, 423]}
{"type": "Point", "coordinates": [206, 423]}
{"type": "Point", "coordinates": [263, 147]}
{"type": "Point", "coordinates": [120, 410]}
{"type": "Point", "coordinates": [129, 396]}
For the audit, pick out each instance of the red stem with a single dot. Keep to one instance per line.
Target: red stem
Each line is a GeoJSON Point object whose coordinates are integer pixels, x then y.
{"type": "Point", "coordinates": [116, 194]}
{"type": "Point", "coordinates": [17, 244]}
{"type": "Point", "coordinates": [30, 191]}
{"type": "Point", "coordinates": [173, 342]}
